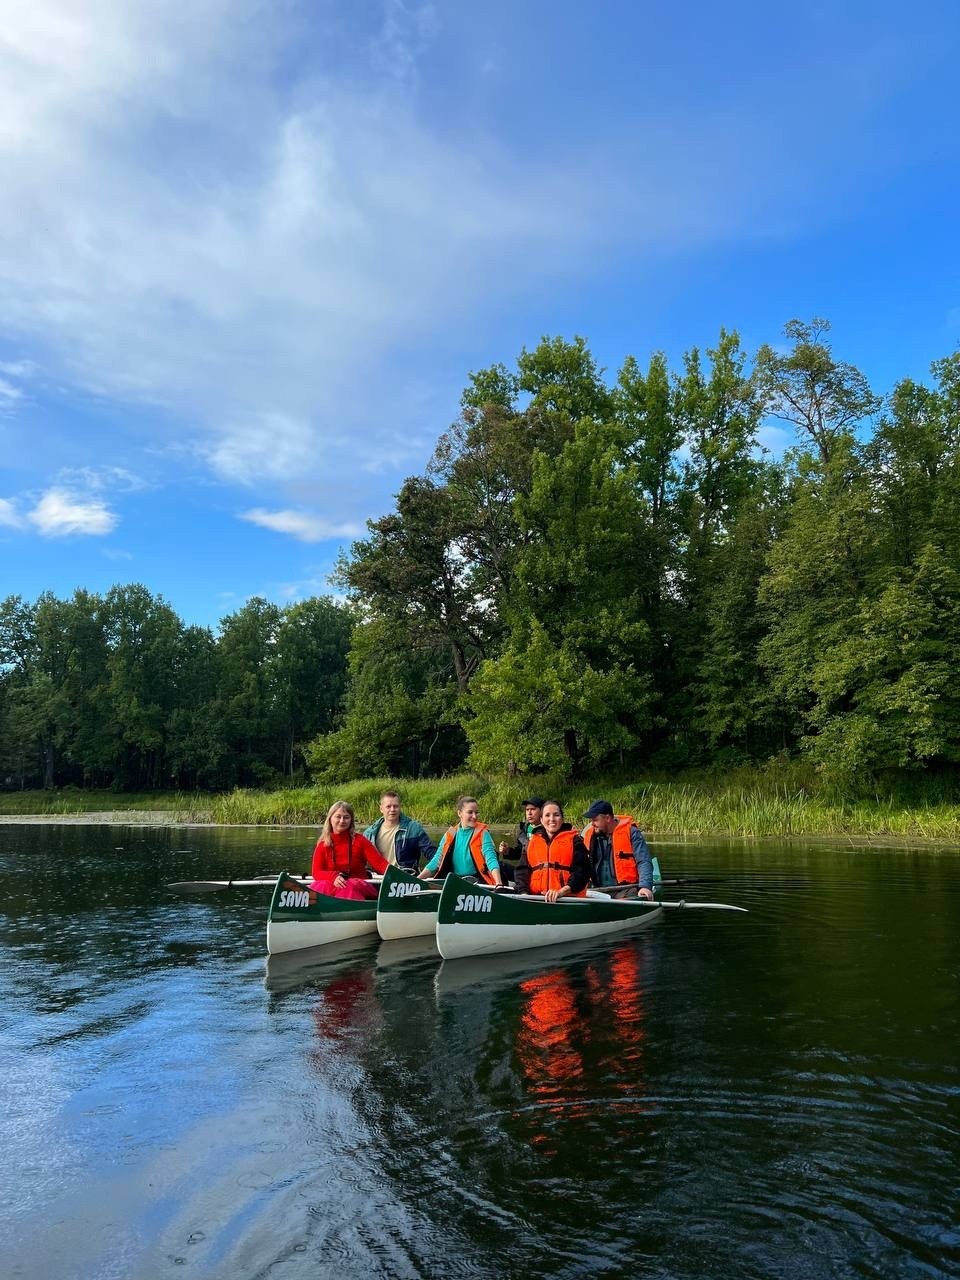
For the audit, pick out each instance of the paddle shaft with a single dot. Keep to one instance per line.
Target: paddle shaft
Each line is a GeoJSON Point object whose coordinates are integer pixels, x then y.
{"type": "Point", "coordinates": [214, 886]}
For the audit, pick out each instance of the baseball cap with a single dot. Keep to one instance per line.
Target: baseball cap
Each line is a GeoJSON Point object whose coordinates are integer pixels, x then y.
{"type": "Point", "coordinates": [600, 807]}
{"type": "Point", "coordinates": [535, 800]}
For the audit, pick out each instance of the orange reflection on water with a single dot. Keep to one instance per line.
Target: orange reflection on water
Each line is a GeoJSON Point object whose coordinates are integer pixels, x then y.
{"type": "Point", "coordinates": [580, 1034]}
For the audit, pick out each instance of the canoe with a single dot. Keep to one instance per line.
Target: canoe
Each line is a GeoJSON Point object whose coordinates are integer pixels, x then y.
{"type": "Point", "coordinates": [407, 907]}
{"type": "Point", "coordinates": [473, 920]}
{"type": "Point", "coordinates": [300, 917]}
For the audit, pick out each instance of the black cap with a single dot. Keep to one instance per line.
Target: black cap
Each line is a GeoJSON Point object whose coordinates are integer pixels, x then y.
{"type": "Point", "coordinates": [534, 800]}
{"type": "Point", "coordinates": [600, 807]}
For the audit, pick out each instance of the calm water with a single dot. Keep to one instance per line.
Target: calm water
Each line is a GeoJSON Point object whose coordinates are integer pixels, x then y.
{"type": "Point", "coordinates": [770, 1095]}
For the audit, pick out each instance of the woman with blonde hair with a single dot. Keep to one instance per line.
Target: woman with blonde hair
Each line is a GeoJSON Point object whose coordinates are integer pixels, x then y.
{"type": "Point", "coordinates": [343, 858]}
{"type": "Point", "coordinates": [467, 849]}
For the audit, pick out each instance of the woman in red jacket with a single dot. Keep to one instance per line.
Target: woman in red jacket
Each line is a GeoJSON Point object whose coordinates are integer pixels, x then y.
{"type": "Point", "coordinates": [343, 858]}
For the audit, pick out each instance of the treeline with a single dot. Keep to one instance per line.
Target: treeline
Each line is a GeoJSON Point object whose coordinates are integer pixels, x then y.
{"type": "Point", "coordinates": [116, 691]}
{"type": "Point", "coordinates": [593, 575]}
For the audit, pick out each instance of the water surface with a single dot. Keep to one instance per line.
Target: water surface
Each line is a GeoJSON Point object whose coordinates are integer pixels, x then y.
{"type": "Point", "coordinates": [718, 1096]}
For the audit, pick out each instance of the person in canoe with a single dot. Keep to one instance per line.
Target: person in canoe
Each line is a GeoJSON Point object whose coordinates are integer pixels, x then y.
{"type": "Point", "coordinates": [531, 820]}
{"type": "Point", "coordinates": [343, 858]}
{"type": "Point", "coordinates": [399, 838]}
{"type": "Point", "coordinates": [555, 862]}
{"type": "Point", "coordinates": [466, 850]}
{"type": "Point", "coordinates": [619, 854]}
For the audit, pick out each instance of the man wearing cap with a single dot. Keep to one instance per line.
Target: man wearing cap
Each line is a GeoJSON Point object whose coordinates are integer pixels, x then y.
{"type": "Point", "coordinates": [531, 819]}
{"type": "Point", "coordinates": [618, 852]}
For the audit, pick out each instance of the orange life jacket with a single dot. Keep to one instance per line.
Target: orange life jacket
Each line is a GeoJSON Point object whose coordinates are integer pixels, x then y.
{"type": "Point", "coordinates": [550, 864]}
{"type": "Point", "coordinates": [476, 852]}
{"type": "Point", "coordinates": [624, 863]}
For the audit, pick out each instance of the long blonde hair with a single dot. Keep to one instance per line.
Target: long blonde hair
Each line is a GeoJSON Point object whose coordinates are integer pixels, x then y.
{"type": "Point", "coordinates": [326, 833]}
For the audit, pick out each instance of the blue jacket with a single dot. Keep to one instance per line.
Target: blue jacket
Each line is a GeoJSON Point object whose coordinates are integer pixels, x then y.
{"type": "Point", "coordinates": [411, 844]}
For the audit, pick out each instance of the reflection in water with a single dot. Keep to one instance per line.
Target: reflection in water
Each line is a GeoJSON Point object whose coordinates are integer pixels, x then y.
{"type": "Point", "coordinates": [774, 1097]}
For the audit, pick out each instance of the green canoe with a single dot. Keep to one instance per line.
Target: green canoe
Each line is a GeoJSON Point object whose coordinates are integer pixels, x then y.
{"type": "Point", "coordinates": [300, 917]}
{"type": "Point", "coordinates": [473, 920]}
{"type": "Point", "coordinates": [406, 907]}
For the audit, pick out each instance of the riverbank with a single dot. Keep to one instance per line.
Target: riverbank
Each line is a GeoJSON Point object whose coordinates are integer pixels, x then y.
{"type": "Point", "coordinates": [780, 800]}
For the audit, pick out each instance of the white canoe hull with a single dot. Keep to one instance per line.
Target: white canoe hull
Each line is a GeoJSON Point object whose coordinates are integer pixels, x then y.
{"type": "Point", "coordinates": [406, 906]}
{"type": "Point", "coordinates": [297, 935]}
{"type": "Point", "coordinates": [455, 941]}
{"type": "Point", "coordinates": [474, 920]}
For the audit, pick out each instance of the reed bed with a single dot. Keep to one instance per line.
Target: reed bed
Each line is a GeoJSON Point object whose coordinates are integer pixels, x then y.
{"type": "Point", "coordinates": [782, 800]}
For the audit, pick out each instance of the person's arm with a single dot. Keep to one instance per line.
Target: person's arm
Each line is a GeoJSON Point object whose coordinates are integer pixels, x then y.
{"type": "Point", "coordinates": [321, 861]}
{"type": "Point", "coordinates": [372, 854]}
{"type": "Point", "coordinates": [641, 852]}
{"type": "Point", "coordinates": [512, 851]}
{"type": "Point", "coordinates": [522, 874]}
{"type": "Point", "coordinates": [432, 865]}
{"type": "Point", "coordinates": [425, 845]}
{"type": "Point", "coordinates": [580, 870]}
{"type": "Point", "coordinates": [490, 857]}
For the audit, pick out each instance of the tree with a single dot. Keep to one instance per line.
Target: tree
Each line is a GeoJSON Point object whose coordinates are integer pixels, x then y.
{"type": "Point", "coordinates": [576, 602]}
{"type": "Point", "coordinates": [825, 399]}
{"type": "Point", "coordinates": [412, 570]}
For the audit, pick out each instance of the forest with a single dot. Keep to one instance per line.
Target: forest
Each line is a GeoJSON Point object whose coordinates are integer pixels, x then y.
{"type": "Point", "coordinates": [593, 574]}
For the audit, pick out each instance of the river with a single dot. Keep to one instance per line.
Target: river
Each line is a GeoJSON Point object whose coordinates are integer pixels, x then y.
{"type": "Point", "coordinates": [763, 1095]}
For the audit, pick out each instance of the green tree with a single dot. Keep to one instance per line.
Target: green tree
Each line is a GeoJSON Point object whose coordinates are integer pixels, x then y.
{"type": "Point", "coordinates": [824, 398]}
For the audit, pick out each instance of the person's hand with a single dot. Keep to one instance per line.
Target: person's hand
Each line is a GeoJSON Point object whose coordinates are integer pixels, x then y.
{"type": "Point", "coordinates": [646, 893]}
{"type": "Point", "coordinates": [339, 880]}
{"type": "Point", "coordinates": [554, 895]}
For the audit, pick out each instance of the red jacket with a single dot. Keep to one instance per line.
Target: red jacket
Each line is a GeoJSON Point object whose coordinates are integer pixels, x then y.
{"type": "Point", "coordinates": [351, 856]}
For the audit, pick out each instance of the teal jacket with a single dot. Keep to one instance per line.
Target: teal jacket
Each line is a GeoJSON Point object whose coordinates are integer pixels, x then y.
{"type": "Point", "coordinates": [411, 844]}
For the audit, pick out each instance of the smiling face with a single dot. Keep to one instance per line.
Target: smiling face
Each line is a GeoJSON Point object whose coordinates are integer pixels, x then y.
{"type": "Point", "coordinates": [603, 823]}
{"type": "Point", "coordinates": [390, 808]}
{"type": "Point", "coordinates": [552, 818]}
{"type": "Point", "coordinates": [341, 820]}
{"type": "Point", "coordinates": [468, 813]}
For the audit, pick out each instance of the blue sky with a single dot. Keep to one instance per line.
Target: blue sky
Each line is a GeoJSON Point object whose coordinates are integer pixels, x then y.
{"type": "Point", "coordinates": [249, 252]}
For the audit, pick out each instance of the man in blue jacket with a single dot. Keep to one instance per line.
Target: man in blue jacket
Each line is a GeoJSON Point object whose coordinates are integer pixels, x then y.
{"type": "Point", "coordinates": [399, 839]}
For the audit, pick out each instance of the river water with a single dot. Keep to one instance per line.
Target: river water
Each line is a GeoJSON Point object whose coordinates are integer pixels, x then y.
{"type": "Point", "coordinates": [764, 1095]}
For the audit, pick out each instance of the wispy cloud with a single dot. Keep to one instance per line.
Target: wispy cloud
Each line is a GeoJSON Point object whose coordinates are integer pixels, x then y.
{"type": "Point", "coordinates": [302, 525]}
{"type": "Point", "coordinates": [264, 244]}
{"type": "Point", "coordinates": [10, 517]}
{"type": "Point", "coordinates": [60, 514]}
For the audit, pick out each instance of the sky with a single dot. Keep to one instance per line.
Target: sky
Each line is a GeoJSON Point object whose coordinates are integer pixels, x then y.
{"type": "Point", "coordinates": [250, 252]}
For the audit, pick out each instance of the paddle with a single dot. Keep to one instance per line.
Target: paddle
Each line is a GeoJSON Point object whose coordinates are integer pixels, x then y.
{"type": "Point", "coordinates": [701, 906]}
{"type": "Point", "coordinates": [214, 886]}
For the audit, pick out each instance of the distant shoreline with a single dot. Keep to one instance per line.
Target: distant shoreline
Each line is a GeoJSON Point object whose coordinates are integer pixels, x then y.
{"type": "Point", "coordinates": [169, 818]}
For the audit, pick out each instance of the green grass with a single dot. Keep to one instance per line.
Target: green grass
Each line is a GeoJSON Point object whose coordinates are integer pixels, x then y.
{"type": "Point", "coordinates": [71, 801]}
{"type": "Point", "coordinates": [781, 799]}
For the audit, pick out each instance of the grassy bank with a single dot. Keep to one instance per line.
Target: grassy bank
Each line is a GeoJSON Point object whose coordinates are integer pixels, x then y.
{"type": "Point", "coordinates": [776, 800]}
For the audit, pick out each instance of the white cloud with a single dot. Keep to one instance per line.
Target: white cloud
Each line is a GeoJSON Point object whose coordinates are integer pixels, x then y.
{"type": "Point", "coordinates": [60, 513]}
{"type": "Point", "coordinates": [10, 518]}
{"type": "Point", "coordinates": [184, 225]}
{"type": "Point", "coordinates": [269, 445]}
{"type": "Point", "coordinates": [9, 394]}
{"type": "Point", "coordinates": [96, 479]}
{"type": "Point", "coordinates": [302, 525]}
